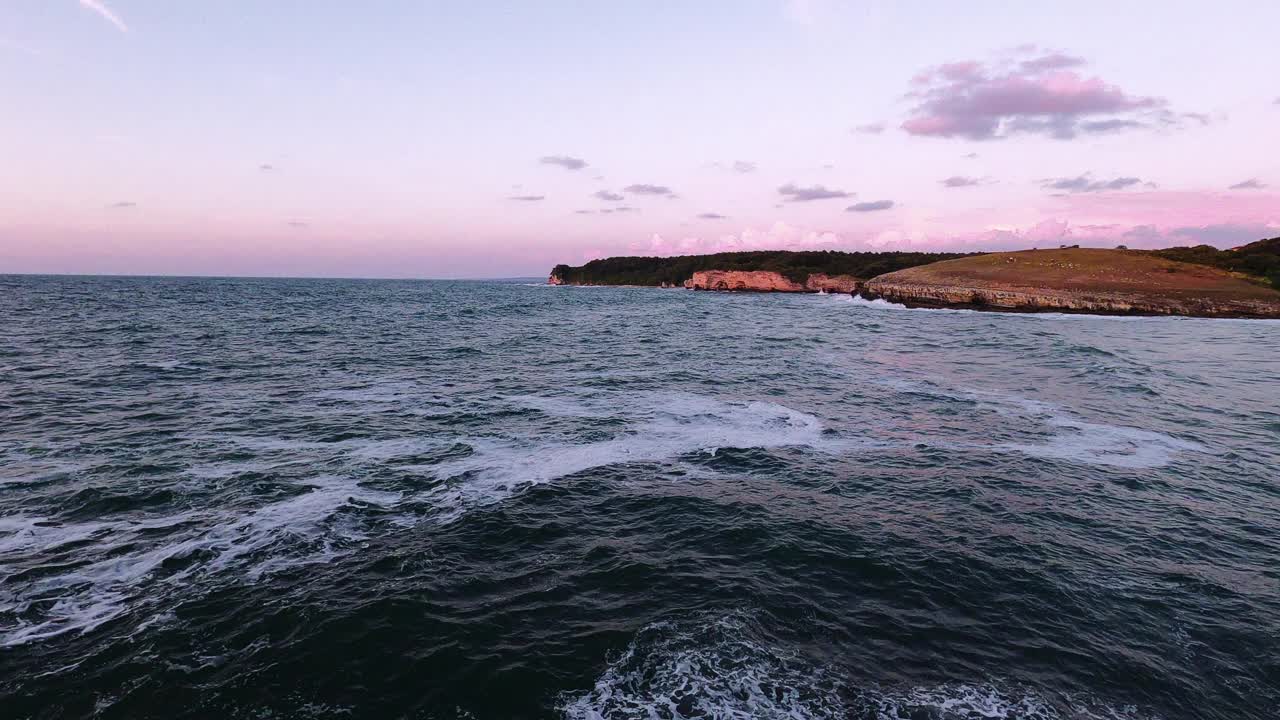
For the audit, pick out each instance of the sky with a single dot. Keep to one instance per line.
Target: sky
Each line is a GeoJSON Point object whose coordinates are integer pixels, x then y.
{"type": "Point", "coordinates": [414, 138]}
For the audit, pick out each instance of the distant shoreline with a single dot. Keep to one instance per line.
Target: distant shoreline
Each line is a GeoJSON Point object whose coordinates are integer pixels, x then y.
{"type": "Point", "coordinates": [1065, 280]}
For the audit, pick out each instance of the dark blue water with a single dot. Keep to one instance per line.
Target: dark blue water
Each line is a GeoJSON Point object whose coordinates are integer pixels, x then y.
{"type": "Point", "coordinates": [279, 499]}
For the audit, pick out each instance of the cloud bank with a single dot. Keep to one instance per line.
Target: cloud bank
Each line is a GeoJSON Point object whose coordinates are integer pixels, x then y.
{"type": "Point", "coordinates": [778, 236]}
{"type": "Point", "coordinates": [1045, 95]}
{"type": "Point", "coordinates": [870, 206]}
{"type": "Point", "coordinates": [646, 189]}
{"type": "Point", "coordinates": [796, 193]}
{"type": "Point", "coordinates": [1250, 184]}
{"type": "Point", "coordinates": [564, 161]}
{"type": "Point", "coordinates": [1086, 184]}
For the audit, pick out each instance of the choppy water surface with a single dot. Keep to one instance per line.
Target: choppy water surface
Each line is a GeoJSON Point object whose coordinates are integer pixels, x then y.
{"type": "Point", "coordinates": [267, 498]}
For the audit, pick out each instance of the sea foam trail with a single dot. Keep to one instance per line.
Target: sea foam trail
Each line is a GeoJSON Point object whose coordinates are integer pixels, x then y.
{"type": "Point", "coordinates": [136, 564]}
{"type": "Point", "coordinates": [133, 569]}
{"type": "Point", "coordinates": [669, 426]}
{"type": "Point", "coordinates": [1069, 438]}
{"type": "Point", "coordinates": [714, 669]}
{"type": "Point", "coordinates": [132, 564]}
{"type": "Point", "coordinates": [718, 668]}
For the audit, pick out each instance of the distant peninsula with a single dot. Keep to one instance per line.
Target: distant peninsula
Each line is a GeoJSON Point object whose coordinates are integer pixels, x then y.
{"type": "Point", "coordinates": [1200, 281]}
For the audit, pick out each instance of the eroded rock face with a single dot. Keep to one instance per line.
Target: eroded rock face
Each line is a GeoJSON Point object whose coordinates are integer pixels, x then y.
{"type": "Point", "coordinates": [743, 280]}
{"type": "Point", "coordinates": [768, 281]}
{"type": "Point", "coordinates": [821, 282]}
{"type": "Point", "coordinates": [555, 280]}
{"type": "Point", "coordinates": [931, 295]}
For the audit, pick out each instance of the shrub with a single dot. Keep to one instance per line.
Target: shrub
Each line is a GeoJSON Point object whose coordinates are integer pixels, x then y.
{"type": "Point", "coordinates": [796, 266]}
{"type": "Point", "coordinates": [1259, 259]}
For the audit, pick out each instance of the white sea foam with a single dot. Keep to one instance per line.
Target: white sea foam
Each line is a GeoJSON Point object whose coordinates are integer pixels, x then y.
{"type": "Point", "coordinates": [713, 670]}
{"type": "Point", "coordinates": [717, 669]}
{"type": "Point", "coordinates": [83, 597]}
{"type": "Point", "coordinates": [964, 701]}
{"type": "Point", "coordinates": [859, 301]}
{"type": "Point", "coordinates": [882, 304]}
{"type": "Point", "coordinates": [132, 563]}
{"type": "Point", "coordinates": [670, 425]}
{"type": "Point", "coordinates": [135, 563]}
{"type": "Point", "coordinates": [1100, 444]}
{"type": "Point", "coordinates": [1070, 438]}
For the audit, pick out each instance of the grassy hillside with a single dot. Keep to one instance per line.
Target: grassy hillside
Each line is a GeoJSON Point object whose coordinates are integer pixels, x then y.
{"type": "Point", "coordinates": [1090, 270]}
{"type": "Point", "coordinates": [1260, 259]}
{"type": "Point", "coordinates": [794, 265]}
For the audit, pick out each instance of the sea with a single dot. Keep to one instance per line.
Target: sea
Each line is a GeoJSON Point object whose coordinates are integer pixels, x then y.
{"type": "Point", "coordinates": [265, 498]}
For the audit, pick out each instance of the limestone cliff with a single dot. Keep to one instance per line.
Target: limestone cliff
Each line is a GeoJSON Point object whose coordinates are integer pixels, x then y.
{"type": "Point", "coordinates": [821, 282]}
{"type": "Point", "coordinates": [743, 280]}
{"type": "Point", "coordinates": [768, 281]}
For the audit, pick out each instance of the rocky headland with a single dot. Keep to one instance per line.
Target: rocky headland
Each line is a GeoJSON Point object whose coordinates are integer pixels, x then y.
{"type": "Point", "coordinates": [1243, 282]}
{"type": "Point", "coordinates": [1085, 280]}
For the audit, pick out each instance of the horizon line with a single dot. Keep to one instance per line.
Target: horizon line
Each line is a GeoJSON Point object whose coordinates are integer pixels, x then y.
{"type": "Point", "coordinates": [262, 277]}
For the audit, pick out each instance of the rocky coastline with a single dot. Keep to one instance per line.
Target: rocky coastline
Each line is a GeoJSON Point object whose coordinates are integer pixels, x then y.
{"type": "Point", "coordinates": [1066, 280]}
{"type": "Point", "coordinates": [767, 281]}
{"type": "Point", "coordinates": [1008, 300]}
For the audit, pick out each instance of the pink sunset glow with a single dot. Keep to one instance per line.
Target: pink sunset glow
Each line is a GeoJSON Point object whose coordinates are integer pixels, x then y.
{"type": "Point", "coordinates": [415, 144]}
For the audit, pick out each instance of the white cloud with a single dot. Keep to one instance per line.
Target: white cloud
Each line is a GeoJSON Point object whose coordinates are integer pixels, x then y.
{"type": "Point", "coordinates": [779, 236]}
{"type": "Point", "coordinates": [105, 12]}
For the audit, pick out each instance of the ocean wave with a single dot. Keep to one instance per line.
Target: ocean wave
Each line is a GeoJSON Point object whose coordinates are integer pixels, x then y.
{"type": "Point", "coordinates": [859, 301]}
{"type": "Point", "coordinates": [1102, 444]}
{"type": "Point", "coordinates": [70, 591]}
{"type": "Point", "coordinates": [660, 427]}
{"type": "Point", "coordinates": [74, 588]}
{"type": "Point", "coordinates": [713, 669]}
{"type": "Point", "coordinates": [882, 304]}
{"type": "Point", "coordinates": [722, 668]}
{"type": "Point", "coordinates": [1056, 433]}
{"type": "Point", "coordinates": [986, 701]}
{"type": "Point", "coordinates": [134, 563]}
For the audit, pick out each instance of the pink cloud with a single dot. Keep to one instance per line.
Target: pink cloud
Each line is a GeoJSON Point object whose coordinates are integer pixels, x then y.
{"type": "Point", "coordinates": [1143, 219]}
{"type": "Point", "coordinates": [779, 236]}
{"type": "Point", "coordinates": [1054, 232]}
{"type": "Point", "coordinates": [1169, 208]}
{"type": "Point", "coordinates": [1052, 61]}
{"type": "Point", "coordinates": [1038, 96]}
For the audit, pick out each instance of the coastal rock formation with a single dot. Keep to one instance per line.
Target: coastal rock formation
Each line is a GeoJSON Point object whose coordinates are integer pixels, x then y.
{"type": "Point", "coordinates": [821, 282]}
{"type": "Point", "coordinates": [1077, 280]}
{"type": "Point", "coordinates": [798, 264]}
{"type": "Point", "coordinates": [768, 281]}
{"type": "Point", "coordinates": [555, 279]}
{"type": "Point", "coordinates": [743, 280]}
